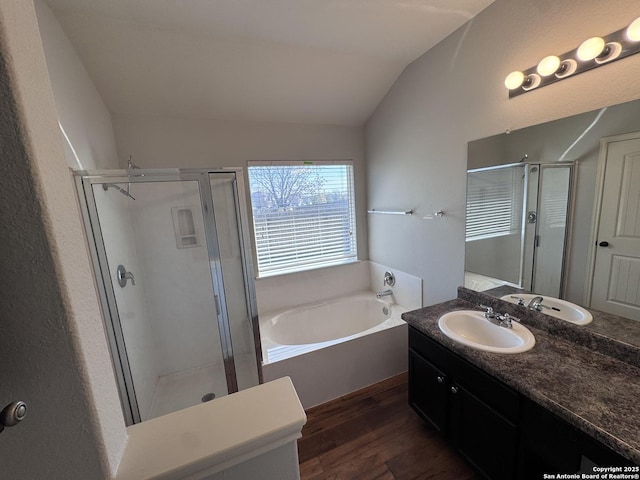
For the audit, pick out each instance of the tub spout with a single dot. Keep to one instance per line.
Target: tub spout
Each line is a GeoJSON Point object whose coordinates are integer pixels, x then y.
{"type": "Point", "coordinates": [384, 293]}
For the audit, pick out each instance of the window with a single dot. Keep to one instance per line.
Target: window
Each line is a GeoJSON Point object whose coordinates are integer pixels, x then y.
{"type": "Point", "coordinates": [303, 215]}
{"type": "Point", "coordinates": [495, 199]}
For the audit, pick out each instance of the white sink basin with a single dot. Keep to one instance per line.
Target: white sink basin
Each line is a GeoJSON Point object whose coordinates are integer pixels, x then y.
{"type": "Point", "coordinates": [471, 328]}
{"type": "Point", "coordinates": [555, 307]}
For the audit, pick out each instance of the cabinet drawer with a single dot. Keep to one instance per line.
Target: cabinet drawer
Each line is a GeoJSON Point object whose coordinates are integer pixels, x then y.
{"type": "Point", "coordinates": [494, 393]}
{"type": "Point", "coordinates": [428, 348]}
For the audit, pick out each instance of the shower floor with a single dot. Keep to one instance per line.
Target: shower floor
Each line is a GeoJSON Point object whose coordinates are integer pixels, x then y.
{"type": "Point", "coordinates": [186, 389]}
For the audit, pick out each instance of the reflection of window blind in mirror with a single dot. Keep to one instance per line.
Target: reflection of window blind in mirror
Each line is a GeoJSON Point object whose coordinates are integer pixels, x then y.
{"type": "Point", "coordinates": [554, 196]}
{"type": "Point", "coordinates": [495, 199]}
{"type": "Point", "coordinates": [555, 204]}
{"type": "Point", "coordinates": [184, 227]}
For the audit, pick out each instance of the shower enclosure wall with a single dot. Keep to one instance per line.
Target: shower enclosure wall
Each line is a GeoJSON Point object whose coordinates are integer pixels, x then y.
{"type": "Point", "coordinates": [174, 271]}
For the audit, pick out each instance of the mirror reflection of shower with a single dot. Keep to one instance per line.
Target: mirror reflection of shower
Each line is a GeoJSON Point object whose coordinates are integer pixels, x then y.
{"type": "Point", "coordinates": [517, 224]}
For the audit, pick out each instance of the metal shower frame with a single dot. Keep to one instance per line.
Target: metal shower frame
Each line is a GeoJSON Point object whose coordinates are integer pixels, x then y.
{"type": "Point", "coordinates": [84, 181]}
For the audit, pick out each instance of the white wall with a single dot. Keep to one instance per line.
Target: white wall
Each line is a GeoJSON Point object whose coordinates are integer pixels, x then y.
{"type": "Point", "coordinates": [285, 291]}
{"type": "Point", "coordinates": [53, 351]}
{"type": "Point", "coordinates": [87, 135]}
{"type": "Point", "coordinates": [157, 142]}
{"type": "Point", "coordinates": [82, 114]}
{"type": "Point", "coordinates": [416, 141]}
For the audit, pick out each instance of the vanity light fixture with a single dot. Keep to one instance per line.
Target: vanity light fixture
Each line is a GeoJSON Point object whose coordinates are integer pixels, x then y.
{"type": "Point", "coordinates": [548, 65]}
{"type": "Point", "coordinates": [591, 53]}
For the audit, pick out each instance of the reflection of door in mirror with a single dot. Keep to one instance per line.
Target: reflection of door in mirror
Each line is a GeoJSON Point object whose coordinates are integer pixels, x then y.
{"type": "Point", "coordinates": [516, 226]}
{"type": "Point", "coordinates": [616, 284]}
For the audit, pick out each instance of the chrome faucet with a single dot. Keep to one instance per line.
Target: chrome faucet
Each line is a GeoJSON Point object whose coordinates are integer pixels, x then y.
{"type": "Point", "coordinates": [498, 319]}
{"type": "Point", "coordinates": [489, 314]}
{"type": "Point", "coordinates": [536, 304]}
{"type": "Point", "coordinates": [384, 293]}
{"type": "Point", "coordinates": [123, 276]}
{"type": "Point", "coordinates": [519, 299]}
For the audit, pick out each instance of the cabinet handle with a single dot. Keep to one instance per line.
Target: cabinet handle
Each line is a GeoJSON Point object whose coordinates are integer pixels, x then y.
{"type": "Point", "coordinates": [440, 379]}
{"type": "Point", "coordinates": [454, 389]}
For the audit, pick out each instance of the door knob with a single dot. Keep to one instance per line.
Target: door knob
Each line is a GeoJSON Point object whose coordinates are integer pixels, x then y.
{"type": "Point", "coordinates": [604, 244]}
{"type": "Point", "coordinates": [12, 414]}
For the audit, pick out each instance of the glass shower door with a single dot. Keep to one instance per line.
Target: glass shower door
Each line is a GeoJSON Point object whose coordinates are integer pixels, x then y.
{"type": "Point", "coordinates": [236, 269]}
{"type": "Point", "coordinates": [157, 251]}
{"type": "Point", "coordinates": [554, 194]}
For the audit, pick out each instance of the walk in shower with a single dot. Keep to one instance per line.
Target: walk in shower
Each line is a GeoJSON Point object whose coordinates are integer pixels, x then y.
{"type": "Point", "coordinates": [174, 272]}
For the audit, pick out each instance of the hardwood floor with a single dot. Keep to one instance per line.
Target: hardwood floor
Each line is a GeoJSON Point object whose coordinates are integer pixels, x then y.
{"type": "Point", "coordinates": [373, 434]}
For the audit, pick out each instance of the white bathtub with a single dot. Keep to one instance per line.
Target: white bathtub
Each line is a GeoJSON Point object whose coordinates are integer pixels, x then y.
{"type": "Point", "coordinates": [334, 347]}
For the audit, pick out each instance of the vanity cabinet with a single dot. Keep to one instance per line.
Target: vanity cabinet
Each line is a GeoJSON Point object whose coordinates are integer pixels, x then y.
{"type": "Point", "coordinates": [502, 433]}
{"type": "Point", "coordinates": [549, 444]}
{"type": "Point", "coordinates": [476, 413]}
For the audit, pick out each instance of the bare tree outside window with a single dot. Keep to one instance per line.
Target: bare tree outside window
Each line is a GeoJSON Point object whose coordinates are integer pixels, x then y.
{"type": "Point", "coordinates": [283, 187]}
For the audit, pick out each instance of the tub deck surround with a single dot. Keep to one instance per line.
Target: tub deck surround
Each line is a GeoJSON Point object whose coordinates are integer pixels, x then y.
{"type": "Point", "coordinates": [336, 346]}
{"type": "Point", "coordinates": [594, 392]}
{"type": "Point", "coordinates": [216, 436]}
{"type": "Point", "coordinates": [609, 334]}
{"type": "Point", "coordinates": [295, 331]}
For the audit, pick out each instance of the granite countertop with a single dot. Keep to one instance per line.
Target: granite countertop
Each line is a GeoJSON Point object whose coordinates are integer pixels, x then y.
{"type": "Point", "coordinates": [596, 393]}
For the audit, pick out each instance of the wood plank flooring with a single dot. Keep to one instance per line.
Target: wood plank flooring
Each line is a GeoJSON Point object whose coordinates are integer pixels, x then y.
{"type": "Point", "coordinates": [373, 434]}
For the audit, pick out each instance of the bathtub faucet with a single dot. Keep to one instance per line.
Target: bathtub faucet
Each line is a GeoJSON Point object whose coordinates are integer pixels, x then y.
{"type": "Point", "coordinates": [384, 293]}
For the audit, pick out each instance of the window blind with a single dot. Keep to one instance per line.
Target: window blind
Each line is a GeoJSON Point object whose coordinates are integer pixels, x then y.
{"type": "Point", "coordinates": [303, 214]}
{"type": "Point", "coordinates": [495, 199]}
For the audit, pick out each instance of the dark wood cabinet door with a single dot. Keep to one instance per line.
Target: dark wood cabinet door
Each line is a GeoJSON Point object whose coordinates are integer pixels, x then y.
{"type": "Point", "coordinates": [550, 444]}
{"type": "Point", "coordinates": [483, 436]}
{"type": "Point", "coordinates": [428, 391]}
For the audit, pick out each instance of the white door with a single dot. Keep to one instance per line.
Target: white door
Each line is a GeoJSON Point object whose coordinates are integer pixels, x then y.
{"type": "Point", "coordinates": [616, 279]}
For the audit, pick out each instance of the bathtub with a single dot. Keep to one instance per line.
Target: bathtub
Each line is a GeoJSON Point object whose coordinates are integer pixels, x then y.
{"type": "Point", "coordinates": [334, 347]}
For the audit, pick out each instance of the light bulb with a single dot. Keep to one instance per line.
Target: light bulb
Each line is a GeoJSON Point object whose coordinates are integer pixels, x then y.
{"type": "Point", "coordinates": [548, 65]}
{"type": "Point", "coordinates": [590, 49]}
{"type": "Point", "coordinates": [514, 80]}
{"type": "Point", "coordinates": [633, 30]}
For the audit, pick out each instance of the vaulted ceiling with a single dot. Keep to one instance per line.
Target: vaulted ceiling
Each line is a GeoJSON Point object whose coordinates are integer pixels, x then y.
{"type": "Point", "coordinates": [298, 61]}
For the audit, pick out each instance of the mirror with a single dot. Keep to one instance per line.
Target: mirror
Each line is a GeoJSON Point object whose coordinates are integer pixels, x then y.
{"type": "Point", "coordinates": [522, 158]}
